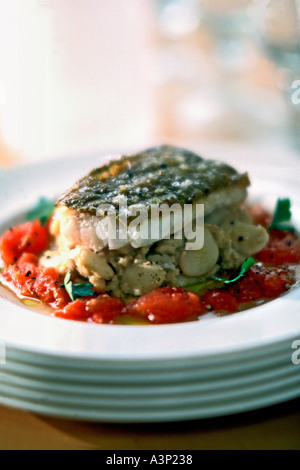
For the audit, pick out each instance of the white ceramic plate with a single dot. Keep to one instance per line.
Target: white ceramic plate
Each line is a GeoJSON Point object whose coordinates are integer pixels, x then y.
{"type": "Point", "coordinates": [215, 350]}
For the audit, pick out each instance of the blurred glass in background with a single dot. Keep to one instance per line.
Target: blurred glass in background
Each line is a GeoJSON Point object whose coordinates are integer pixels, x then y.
{"type": "Point", "coordinates": [87, 75]}
{"type": "Point", "coordinates": [225, 63]}
{"type": "Point", "coordinates": [280, 39]}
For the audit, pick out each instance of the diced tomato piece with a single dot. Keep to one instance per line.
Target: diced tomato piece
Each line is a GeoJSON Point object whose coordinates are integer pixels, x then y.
{"type": "Point", "coordinates": [262, 283]}
{"type": "Point", "coordinates": [273, 281]}
{"type": "Point", "coordinates": [260, 215]}
{"type": "Point", "coordinates": [33, 281]}
{"type": "Point", "coordinates": [283, 247]}
{"type": "Point", "coordinates": [28, 263]}
{"type": "Point", "coordinates": [22, 281]}
{"type": "Point", "coordinates": [48, 288]}
{"type": "Point", "coordinates": [76, 310]}
{"type": "Point", "coordinates": [31, 237]}
{"type": "Point", "coordinates": [246, 290]}
{"type": "Point", "coordinates": [103, 309]}
{"type": "Point", "coordinates": [276, 235]}
{"type": "Point", "coordinates": [23, 274]}
{"type": "Point", "coordinates": [220, 300]}
{"type": "Point", "coordinates": [167, 305]}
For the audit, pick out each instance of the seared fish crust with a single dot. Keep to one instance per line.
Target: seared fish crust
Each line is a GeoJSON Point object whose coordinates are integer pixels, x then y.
{"type": "Point", "coordinates": [161, 175]}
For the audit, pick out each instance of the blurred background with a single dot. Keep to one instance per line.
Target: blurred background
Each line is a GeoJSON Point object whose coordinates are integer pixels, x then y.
{"type": "Point", "coordinates": [81, 76]}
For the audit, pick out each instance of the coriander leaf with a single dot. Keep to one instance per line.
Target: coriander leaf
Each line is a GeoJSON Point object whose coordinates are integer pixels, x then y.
{"type": "Point", "coordinates": [41, 211]}
{"type": "Point", "coordinates": [282, 215]}
{"type": "Point", "coordinates": [247, 264]}
{"type": "Point", "coordinates": [78, 291]}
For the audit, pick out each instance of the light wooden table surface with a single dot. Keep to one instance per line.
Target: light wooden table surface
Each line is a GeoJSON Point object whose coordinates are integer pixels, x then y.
{"type": "Point", "coordinates": [273, 428]}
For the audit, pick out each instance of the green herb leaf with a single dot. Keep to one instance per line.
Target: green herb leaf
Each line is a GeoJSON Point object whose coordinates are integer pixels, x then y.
{"type": "Point", "coordinates": [217, 282]}
{"type": "Point", "coordinates": [42, 211]}
{"type": "Point", "coordinates": [282, 216]}
{"type": "Point", "coordinates": [83, 290]}
{"type": "Point", "coordinates": [78, 291]}
{"type": "Point", "coordinates": [247, 264]}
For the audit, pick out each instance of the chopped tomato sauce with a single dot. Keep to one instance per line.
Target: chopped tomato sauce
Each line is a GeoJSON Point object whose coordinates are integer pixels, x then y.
{"type": "Point", "coordinates": [167, 305]}
{"type": "Point", "coordinates": [31, 237]}
{"type": "Point", "coordinates": [21, 247]}
{"type": "Point", "coordinates": [48, 288]}
{"type": "Point", "coordinates": [220, 300]}
{"type": "Point", "coordinates": [30, 280]}
{"type": "Point", "coordinates": [23, 274]}
{"type": "Point", "coordinates": [283, 247]}
{"type": "Point", "coordinates": [261, 283]}
{"type": "Point", "coordinates": [103, 309]}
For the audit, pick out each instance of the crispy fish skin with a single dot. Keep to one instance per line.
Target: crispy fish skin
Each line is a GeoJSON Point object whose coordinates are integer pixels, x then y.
{"type": "Point", "coordinates": [160, 175]}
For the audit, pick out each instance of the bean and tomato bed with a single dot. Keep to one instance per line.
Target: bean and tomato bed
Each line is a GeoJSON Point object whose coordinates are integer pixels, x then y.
{"type": "Point", "coordinates": [269, 277]}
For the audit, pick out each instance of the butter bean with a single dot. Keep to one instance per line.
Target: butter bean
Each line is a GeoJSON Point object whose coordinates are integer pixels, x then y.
{"type": "Point", "coordinates": [200, 262]}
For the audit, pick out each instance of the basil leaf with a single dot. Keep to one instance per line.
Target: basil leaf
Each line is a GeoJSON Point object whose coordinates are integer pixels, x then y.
{"type": "Point", "coordinates": [282, 215]}
{"type": "Point", "coordinates": [247, 264]}
{"type": "Point", "coordinates": [42, 211]}
{"type": "Point", "coordinates": [83, 290]}
{"type": "Point", "coordinates": [78, 291]}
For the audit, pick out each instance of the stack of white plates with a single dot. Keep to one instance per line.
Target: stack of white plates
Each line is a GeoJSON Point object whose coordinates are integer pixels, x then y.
{"type": "Point", "coordinates": [135, 390]}
{"type": "Point", "coordinates": [214, 367]}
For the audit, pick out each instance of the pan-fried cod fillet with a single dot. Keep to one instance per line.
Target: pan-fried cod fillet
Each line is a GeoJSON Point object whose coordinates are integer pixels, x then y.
{"type": "Point", "coordinates": [162, 175]}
